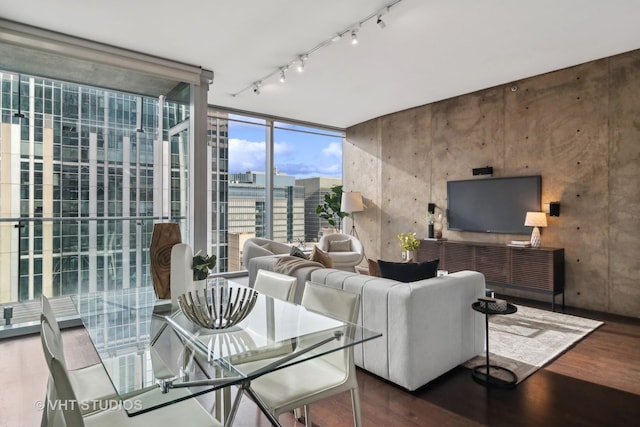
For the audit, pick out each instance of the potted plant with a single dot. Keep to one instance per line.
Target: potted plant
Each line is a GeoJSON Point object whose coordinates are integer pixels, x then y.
{"type": "Point", "coordinates": [409, 243]}
{"type": "Point", "coordinates": [201, 266]}
{"type": "Point", "coordinates": [329, 209]}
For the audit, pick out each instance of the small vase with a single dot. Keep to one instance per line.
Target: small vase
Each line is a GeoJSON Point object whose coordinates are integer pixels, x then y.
{"type": "Point", "coordinates": [430, 233]}
{"type": "Point", "coordinates": [409, 256]}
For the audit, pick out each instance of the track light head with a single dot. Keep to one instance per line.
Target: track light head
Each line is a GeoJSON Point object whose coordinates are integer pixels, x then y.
{"type": "Point", "coordinates": [302, 59]}
{"type": "Point", "coordinates": [354, 36]}
{"type": "Point", "coordinates": [299, 62]}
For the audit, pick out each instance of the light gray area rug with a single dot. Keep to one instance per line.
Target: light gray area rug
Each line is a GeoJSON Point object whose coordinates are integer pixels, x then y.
{"type": "Point", "coordinates": [528, 339]}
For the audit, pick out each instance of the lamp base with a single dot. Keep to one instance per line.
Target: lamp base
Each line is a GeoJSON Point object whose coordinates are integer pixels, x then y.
{"type": "Point", "coordinates": [535, 238]}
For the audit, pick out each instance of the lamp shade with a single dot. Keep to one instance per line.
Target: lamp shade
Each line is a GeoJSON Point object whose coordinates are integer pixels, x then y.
{"type": "Point", "coordinates": [351, 202]}
{"type": "Point", "coordinates": [535, 219]}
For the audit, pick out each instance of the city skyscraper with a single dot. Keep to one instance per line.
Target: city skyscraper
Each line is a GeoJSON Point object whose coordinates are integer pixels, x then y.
{"type": "Point", "coordinates": [80, 179]}
{"type": "Point", "coordinates": [86, 172]}
{"type": "Point", "coordinates": [314, 191]}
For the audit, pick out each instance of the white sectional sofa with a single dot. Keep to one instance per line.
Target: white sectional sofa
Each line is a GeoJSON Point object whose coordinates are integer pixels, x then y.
{"type": "Point", "coordinates": [428, 326]}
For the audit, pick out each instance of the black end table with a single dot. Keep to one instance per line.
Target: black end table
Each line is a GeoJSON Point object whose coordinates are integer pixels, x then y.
{"type": "Point", "coordinates": [483, 374]}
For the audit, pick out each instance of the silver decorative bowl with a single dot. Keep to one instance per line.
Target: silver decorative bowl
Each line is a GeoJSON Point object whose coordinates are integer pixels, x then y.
{"type": "Point", "coordinates": [218, 307]}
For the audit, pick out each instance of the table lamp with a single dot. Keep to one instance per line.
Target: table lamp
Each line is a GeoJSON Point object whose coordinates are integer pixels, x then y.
{"type": "Point", "coordinates": [535, 220]}
{"type": "Point", "coordinates": [352, 202]}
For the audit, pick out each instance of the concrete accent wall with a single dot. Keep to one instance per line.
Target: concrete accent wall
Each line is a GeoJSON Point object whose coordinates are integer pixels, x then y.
{"type": "Point", "coordinates": [579, 128]}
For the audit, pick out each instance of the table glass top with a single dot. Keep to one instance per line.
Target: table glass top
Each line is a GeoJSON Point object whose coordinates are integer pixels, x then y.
{"type": "Point", "coordinates": [155, 358]}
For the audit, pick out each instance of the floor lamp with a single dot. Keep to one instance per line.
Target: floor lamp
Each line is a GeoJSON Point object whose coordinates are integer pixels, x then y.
{"type": "Point", "coordinates": [352, 203]}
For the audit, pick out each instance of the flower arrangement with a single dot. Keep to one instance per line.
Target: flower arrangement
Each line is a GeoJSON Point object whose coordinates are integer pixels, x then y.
{"type": "Point", "coordinates": [201, 265]}
{"type": "Point", "coordinates": [408, 241]}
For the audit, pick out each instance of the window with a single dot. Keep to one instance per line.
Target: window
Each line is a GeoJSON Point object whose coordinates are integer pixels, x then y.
{"type": "Point", "coordinates": [79, 206]}
{"type": "Point", "coordinates": [307, 162]}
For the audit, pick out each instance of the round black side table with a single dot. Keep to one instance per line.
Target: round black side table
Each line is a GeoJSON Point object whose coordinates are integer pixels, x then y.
{"type": "Point", "coordinates": [483, 374]}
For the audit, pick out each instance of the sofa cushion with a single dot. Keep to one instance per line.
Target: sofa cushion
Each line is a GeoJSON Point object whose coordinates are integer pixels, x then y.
{"type": "Point", "coordinates": [374, 268]}
{"type": "Point", "coordinates": [297, 252]}
{"type": "Point", "coordinates": [340, 246]}
{"type": "Point", "coordinates": [408, 272]}
{"type": "Point", "coordinates": [318, 255]}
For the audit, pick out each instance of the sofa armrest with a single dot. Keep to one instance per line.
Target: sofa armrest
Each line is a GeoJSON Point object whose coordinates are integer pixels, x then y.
{"type": "Point", "coordinates": [279, 248]}
{"type": "Point", "coordinates": [251, 251]}
{"type": "Point", "coordinates": [432, 327]}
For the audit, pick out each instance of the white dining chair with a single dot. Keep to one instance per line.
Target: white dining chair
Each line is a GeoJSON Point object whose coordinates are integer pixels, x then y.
{"type": "Point", "coordinates": [92, 384]}
{"type": "Point", "coordinates": [276, 285]}
{"type": "Point", "coordinates": [305, 383]}
{"type": "Point", "coordinates": [187, 412]}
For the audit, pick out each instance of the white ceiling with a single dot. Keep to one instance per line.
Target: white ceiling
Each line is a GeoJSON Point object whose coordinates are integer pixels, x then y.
{"type": "Point", "coordinates": [430, 49]}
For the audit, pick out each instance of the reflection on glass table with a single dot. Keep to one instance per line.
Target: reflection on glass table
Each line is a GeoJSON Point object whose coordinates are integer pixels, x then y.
{"type": "Point", "coordinates": [157, 358]}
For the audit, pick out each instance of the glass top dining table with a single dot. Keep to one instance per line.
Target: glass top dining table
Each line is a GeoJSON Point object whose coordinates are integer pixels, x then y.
{"type": "Point", "coordinates": [155, 356]}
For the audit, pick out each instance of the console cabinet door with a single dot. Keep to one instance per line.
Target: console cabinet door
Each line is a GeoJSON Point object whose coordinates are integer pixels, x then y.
{"type": "Point", "coordinates": [458, 257]}
{"type": "Point", "coordinates": [538, 268]}
{"type": "Point", "coordinates": [430, 250]}
{"type": "Point", "coordinates": [493, 262]}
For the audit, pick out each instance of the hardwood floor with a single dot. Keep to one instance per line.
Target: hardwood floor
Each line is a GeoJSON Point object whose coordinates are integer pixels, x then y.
{"type": "Point", "coordinates": [595, 383]}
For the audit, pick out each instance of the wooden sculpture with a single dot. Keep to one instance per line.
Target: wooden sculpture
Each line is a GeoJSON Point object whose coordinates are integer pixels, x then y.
{"type": "Point", "coordinates": [164, 237]}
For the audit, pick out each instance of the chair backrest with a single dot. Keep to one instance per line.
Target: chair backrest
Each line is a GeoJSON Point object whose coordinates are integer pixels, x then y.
{"type": "Point", "coordinates": [47, 315]}
{"type": "Point", "coordinates": [324, 242]}
{"type": "Point", "coordinates": [276, 285]}
{"type": "Point", "coordinates": [66, 397]}
{"type": "Point", "coordinates": [257, 246]}
{"type": "Point", "coordinates": [180, 273]}
{"type": "Point", "coordinates": [339, 304]}
{"type": "Point", "coordinates": [336, 303]}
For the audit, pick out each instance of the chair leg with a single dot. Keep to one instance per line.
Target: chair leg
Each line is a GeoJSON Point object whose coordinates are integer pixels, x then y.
{"type": "Point", "coordinates": [307, 416]}
{"type": "Point", "coordinates": [44, 422]}
{"type": "Point", "coordinates": [355, 403]}
{"type": "Point", "coordinates": [49, 416]}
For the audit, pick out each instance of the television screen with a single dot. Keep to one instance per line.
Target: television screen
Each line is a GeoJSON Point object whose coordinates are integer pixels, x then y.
{"type": "Point", "coordinates": [493, 205]}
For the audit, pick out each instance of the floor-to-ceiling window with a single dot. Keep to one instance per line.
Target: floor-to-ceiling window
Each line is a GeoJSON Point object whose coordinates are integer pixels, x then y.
{"type": "Point", "coordinates": [84, 174]}
{"type": "Point", "coordinates": [307, 161]}
{"type": "Point", "coordinates": [313, 156]}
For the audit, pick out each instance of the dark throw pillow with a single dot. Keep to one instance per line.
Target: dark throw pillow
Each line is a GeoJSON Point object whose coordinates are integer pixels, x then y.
{"type": "Point", "coordinates": [408, 272]}
{"type": "Point", "coordinates": [295, 251]}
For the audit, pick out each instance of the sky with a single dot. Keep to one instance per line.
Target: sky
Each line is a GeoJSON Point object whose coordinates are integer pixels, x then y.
{"type": "Point", "coordinates": [298, 154]}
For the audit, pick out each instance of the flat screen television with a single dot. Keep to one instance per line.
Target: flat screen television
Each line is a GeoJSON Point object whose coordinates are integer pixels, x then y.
{"type": "Point", "coordinates": [493, 205]}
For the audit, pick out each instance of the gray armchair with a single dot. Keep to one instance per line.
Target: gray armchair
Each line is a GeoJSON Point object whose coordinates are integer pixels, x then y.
{"type": "Point", "coordinates": [257, 246]}
{"type": "Point", "coordinates": [346, 251]}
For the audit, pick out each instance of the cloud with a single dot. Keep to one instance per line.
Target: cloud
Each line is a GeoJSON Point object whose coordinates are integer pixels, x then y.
{"type": "Point", "coordinates": [334, 149]}
{"type": "Point", "coordinates": [308, 170]}
{"type": "Point", "coordinates": [246, 155]}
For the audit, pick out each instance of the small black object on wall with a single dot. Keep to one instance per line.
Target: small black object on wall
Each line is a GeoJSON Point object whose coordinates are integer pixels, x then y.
{"type": "Point", "coordinates": [554, 209]}
{"type": "Point", "coordinates": [431, 208]}
{"type": "Point", "coordinates": [488, 170]}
